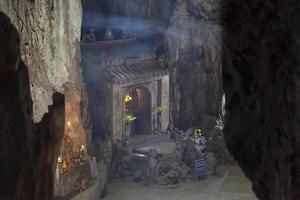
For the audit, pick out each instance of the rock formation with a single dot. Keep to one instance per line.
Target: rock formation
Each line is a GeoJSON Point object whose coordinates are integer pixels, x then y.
{"type": "Point", "coordinates": [194, 37]}
{"type": "Point", "coordinates": [28, 151]}
{"type": "Point", "coordinates": [49, 35]}
{"type": "Point", "coordinates": [262, 85]}
{"type": "Point", "coordinates": [261, 80]}
{"type": "Point", "coordinates": [152, 167]}
{"type": "Point", "coordinates": [48, 45]}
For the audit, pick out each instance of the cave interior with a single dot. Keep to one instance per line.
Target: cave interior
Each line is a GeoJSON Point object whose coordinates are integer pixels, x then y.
{"type": "Point", "coordinates": [149, 99]}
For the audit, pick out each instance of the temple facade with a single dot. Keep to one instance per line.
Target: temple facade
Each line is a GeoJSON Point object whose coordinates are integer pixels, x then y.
{"type": "Point", "coordinates": [127, 86]}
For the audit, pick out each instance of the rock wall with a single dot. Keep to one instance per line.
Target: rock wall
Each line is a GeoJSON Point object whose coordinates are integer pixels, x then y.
{"type": "Point", "coordinates": [193, 39]}
{"type": "Point", "coordinates": [49, 33]}
{"type": "Point", "coordinates": [28, 151]}
{"type": "Point", "coordinates": [262, 85]}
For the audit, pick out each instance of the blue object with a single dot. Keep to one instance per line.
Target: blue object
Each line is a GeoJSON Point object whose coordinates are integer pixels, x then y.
{"type": "Point", "coordinates": [200, 166]}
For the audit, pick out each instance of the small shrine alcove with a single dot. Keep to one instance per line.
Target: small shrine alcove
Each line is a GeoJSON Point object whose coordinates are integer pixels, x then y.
{"type": "Point", "coordinates": [72, 170]}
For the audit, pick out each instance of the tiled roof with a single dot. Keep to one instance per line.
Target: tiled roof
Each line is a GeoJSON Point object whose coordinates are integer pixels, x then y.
{"type": "Point", "coordinates": [123, 60]}
{"type": "Point", "coordinates": [124, 49]}
{"type": "Point", "coordinates": [140, 70]}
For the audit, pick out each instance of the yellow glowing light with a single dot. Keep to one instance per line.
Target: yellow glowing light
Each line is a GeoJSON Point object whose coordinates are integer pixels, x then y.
{"type": "Point", "coordinates": [159, 109]}
{"type": "Point", "coordinates": [59, 159]}
{"type": "Point", "coordinates": [129, 118]}
{"type": "Point", "coordinates": [65, 165]}
{"type": "Point", "coordinates": [82, 147]}
{"type": "Point", "coordinates": [128, 98]}
{"type": "Point", "coordinates": [197, 133]}
{"type": "Point", "coordinates": [69, 124]}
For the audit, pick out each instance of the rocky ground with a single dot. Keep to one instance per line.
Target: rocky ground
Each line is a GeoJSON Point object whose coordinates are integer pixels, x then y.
{"type": "Point", "coordinates": [170, 160]}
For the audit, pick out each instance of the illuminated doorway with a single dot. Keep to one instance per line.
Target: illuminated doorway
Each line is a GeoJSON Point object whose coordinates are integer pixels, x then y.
{"type": "Point", "coordinates": [138, 112]}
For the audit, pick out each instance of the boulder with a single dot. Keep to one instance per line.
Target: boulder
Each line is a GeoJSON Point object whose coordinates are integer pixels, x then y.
{"type": "Point", "coordinates": [216, 144]}
{"type": "Point", "coordinates": [195, 53]}
{"type": "Point", "coordinates": [191, 153]}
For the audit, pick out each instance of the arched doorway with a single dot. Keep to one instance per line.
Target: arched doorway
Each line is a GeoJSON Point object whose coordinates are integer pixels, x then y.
{"type": "Point", "coordinates": [138, 107]}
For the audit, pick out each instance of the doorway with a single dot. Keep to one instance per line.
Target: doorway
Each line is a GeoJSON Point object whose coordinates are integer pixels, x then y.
{"type": "Point", "coordinates": [138, 108]}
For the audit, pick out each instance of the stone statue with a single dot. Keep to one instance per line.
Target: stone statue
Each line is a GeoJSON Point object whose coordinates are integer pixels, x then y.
{"type": "Point", "coordinates": [152, 163]}
{"type": "Point", "coordinates": [108, 34]}
{"type": "Point", "coordinates": [93, 167]}
{"type": "Point", "coordinates": [126, 33]}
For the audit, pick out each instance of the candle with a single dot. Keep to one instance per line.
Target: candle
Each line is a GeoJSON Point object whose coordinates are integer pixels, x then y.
{"type": "Point", "coordinates": [69, 124]}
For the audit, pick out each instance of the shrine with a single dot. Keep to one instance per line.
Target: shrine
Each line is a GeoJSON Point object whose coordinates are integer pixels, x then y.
{"type": "Point", "coordinates": [128, 87]}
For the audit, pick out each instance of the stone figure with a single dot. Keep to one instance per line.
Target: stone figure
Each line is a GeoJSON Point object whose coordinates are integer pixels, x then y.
{"type": "Point", "coordinates": [126, 33]}
{"type": "Point", "coordinates": [90, 37]}
{"type": "Point", "coordinates": [93, 167]}
{"type": "Point", "coordinates": [108, 34]}
{"type": "Point", "coordinates": [152, 163]}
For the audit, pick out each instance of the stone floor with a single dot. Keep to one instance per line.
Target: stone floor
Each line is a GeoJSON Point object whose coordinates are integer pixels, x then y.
{"type": "Point", "coordinates": [231, 185]}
